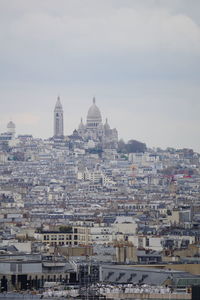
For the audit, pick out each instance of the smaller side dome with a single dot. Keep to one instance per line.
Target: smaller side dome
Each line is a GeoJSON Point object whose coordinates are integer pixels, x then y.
{"type": "Point", "coordinates": [11, 128]}
{"type": "Point", "coordinates": [106, 125]}
{"type": "Point", "coordinates": [81, 125]}
{"type": "Point", "coordinates": [11, 125]}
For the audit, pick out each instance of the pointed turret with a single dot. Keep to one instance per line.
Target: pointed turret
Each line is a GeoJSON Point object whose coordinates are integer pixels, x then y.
{"type": "Point", "coordinates": [58, 103]}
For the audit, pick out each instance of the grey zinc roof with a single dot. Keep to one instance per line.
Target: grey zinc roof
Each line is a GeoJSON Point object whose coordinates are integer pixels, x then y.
{"type": "Point", "coordinates": [136, 275]}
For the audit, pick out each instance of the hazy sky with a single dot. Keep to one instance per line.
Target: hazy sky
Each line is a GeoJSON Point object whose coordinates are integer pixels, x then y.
{"type": "Point", "coordinates": [140, 58]}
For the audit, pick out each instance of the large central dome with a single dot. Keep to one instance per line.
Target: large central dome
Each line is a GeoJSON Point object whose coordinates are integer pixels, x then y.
{"type": "Point", "coordinates": [94, 115]}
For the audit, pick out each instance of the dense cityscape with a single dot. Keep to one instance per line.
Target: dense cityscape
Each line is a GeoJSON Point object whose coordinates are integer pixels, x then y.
{"type": "Point", "coordinates": [89, 216]}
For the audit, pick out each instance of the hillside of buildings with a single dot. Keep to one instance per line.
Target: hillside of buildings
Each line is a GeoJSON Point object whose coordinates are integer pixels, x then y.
{"type": "Point", "coordinates": [89, 211]}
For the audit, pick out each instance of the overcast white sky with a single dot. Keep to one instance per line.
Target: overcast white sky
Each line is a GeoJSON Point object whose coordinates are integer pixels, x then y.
{"type": "Point", "coordinates": [140, 58]}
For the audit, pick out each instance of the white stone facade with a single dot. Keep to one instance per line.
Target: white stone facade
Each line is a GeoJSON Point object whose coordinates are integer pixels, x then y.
{"type": "Point", "coordinates": [95, 130]}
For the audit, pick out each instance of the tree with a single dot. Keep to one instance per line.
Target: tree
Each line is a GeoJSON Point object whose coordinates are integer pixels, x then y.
{"type": "Point", "coordinates": [134, 146]}
{"type": "Point", "coordinates": [19, 156]}
{"type": "Point", "coordinates": [65, 229]}
{"type": "Point", "coordinates": [121, 146]}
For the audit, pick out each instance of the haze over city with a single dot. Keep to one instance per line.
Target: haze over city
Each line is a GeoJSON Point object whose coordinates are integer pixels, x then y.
{"type": "Point", "coordinates": [99, 149]}
{"type": "Point", "coordinates": [139, 58]}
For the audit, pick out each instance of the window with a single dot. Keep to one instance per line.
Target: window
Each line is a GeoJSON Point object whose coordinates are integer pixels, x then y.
{"type": "Point", "coordinates": [19, 268]}
{"type": "Point", "coordinates": [140, 242]}
{"type": "Point", "coordinates": [13, 267]}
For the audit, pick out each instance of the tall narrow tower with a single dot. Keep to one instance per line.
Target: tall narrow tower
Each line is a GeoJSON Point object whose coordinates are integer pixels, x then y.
{"type": "Point", "coordinates": [58, 119]}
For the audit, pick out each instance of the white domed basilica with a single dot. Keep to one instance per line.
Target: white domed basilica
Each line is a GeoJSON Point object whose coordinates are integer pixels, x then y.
{"type": "Point", "coordinates": [94, 129]}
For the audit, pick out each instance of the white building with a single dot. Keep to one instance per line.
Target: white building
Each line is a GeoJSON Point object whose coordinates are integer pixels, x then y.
{"type": "Point", "coordinates": [95, 131]}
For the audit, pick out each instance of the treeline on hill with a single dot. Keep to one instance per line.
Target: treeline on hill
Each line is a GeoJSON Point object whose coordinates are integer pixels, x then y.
{"type": "Point", "coordinates": [131, 146]}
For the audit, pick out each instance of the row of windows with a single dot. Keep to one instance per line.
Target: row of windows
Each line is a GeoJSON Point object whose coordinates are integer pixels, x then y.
{"type": "Point", "coordinates": [55, 237]}
{"type": "Point", "coordinates": [60, 243]}
{"type": "Point", "coordinates": [49, 278]}
{"type": "Point", "coordinates": [57, 243]}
